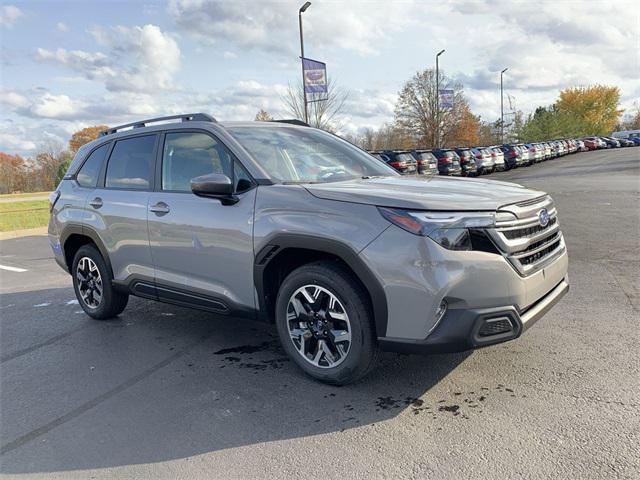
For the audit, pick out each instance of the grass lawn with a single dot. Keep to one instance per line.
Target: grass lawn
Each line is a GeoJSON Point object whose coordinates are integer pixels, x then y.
{"type": "Point", "coordinates": [17, 196]}
{"type": "Point", "coordinates": [19, 215]}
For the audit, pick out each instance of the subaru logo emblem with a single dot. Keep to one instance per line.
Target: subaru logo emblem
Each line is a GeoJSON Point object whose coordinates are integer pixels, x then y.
{"type": "Point", "coordinates": [543, 217]}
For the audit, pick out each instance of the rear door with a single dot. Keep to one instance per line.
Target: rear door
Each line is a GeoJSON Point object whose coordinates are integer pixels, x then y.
{"type": "Point", "coordinates": [202, 250]}
{"type": "Point", "coordinates": [117, 208]}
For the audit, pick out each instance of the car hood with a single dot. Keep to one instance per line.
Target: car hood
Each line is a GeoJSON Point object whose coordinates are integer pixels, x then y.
{"type": "Point", "coordinates": [435, 193]}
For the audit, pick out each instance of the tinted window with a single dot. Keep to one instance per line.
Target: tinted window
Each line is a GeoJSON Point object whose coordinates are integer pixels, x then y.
{"type": "Point", "coordinates": [427, 156]}
{"type": "Point", "coordinates": [88, 174]}
{"type": "Point", "coordinates": [406, 157]}
{"type": "Point", "coordinates": [131, 162]}
{"type": "Point", "coordinates": [242, 180]}
{"type": "Point", "coordinates": [191, 154]}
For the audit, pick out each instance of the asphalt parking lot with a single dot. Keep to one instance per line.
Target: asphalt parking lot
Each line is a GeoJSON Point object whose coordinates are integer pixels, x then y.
{"type": "Point", "coordinates": [166, 392]}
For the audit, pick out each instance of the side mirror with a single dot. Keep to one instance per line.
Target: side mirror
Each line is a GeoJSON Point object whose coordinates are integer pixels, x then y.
{"type": "Point", "coordinates": [214, 185]}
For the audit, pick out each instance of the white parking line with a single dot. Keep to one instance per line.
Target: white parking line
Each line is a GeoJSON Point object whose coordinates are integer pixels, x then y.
{"type": "Point", "coordinates": [12, 269]}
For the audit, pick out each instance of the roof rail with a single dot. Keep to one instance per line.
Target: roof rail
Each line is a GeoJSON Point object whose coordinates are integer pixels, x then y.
{"type": "Point", "coordinates": [185, 117]}
{"type": "Point", "coordinates": [293, 121]}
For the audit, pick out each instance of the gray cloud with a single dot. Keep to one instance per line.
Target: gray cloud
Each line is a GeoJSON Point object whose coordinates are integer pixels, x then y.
{"type": "Point", "coordinates": [273, 27]}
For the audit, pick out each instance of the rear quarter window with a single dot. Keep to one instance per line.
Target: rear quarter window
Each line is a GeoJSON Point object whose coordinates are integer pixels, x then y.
{"type": "Point", "coordinates": [90, 170]}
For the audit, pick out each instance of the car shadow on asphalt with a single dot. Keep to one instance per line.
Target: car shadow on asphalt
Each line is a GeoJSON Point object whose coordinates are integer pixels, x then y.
{"type": "Point", "coordinates": [162, 383]}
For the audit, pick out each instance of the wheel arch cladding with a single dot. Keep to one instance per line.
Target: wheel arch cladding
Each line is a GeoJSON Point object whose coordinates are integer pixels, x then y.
{"type": "Point", "coordinates": [282, 253]}
{"type": "Point", "coordinates": [75, 236]}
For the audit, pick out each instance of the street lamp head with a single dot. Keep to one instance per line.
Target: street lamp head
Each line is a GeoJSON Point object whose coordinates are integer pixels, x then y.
{"type": "Point", "coordinates": [440, 52]}
{"type": "Point", "coordinates": [504, 70]}
{"type": "Point", "coordinates": [304, 7]}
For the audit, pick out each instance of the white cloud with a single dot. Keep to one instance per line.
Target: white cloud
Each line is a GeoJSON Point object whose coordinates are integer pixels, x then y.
{"type": "Point", "coordinates": [9, 14]}
{"type": "Point", "coordinates": [56, 106]}
{"type": "Point", "coordinates": [371, 104]}
{"type": "Point", "coordinates": [273, 27]}
{"type": "Point", "coordinates": [13, 99]}
{"type": "Point", "coordinates": [229, 55]}
{"type": "Point", "coordinates": [16, 143]}
{"type": "Point", "coordinates": [138, 58]}
{"type": "Point", "coordinates": [62, 27]}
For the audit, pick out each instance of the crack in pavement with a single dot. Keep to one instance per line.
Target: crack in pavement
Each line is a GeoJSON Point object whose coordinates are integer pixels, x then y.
{"type": "Point", "coordinates": [50, 341]}
{"type": "Point", "coordinates": [22, 440]}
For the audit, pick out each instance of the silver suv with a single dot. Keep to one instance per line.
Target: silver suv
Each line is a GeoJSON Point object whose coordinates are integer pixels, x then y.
{"type": "Point", "coordinates": [287, 224]}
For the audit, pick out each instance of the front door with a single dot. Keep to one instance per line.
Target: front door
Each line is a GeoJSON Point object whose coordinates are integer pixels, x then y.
{"type": "Point", "coordinates": [202, 250]}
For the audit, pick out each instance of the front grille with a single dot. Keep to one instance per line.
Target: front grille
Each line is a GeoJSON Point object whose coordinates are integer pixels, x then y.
{"type": "Point", "coordinates": [527, 244]}
{"type": "Point", "coordinates": [529, 231]}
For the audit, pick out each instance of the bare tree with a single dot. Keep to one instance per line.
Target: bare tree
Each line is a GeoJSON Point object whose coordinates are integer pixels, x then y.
{"type": "Point", "coordinates": [416, 109]}
{"type": "Point", "coordinates": [323, 114]}
{"type": "Point", "coordinates": [263, 116]}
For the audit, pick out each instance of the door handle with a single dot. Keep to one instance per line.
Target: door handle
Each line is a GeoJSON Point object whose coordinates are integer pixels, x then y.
{"type": "Point", "coordinates": [160, 208]}
{"type": "Point", "coordinates": [96, 203]}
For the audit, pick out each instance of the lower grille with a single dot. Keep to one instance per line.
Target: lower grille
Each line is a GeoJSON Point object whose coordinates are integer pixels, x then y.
{"type": "Point", "coordinates": [495, 326]}
{"type": "Point", "coordinates": [530, 259]}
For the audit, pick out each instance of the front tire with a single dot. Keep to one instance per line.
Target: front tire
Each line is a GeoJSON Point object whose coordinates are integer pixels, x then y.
{"type": "Point", "coordinates": [325, 323]}
{"type": "Point", "coordinates": [92, 282]}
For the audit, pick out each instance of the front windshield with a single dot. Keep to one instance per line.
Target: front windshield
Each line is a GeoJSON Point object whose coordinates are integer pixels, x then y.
{"type": "Point", "coordinates": [307, 155]}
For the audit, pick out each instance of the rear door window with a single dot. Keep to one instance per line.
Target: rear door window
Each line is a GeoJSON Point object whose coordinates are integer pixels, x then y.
{"type": "Point", "coordinates": [90, 171]}
{"type": "Point", "coordinates": [131, 163]}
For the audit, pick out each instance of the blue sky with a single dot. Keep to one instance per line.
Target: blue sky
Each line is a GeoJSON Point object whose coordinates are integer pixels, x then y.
{"type": "Point", "coordinates": [66, 65]}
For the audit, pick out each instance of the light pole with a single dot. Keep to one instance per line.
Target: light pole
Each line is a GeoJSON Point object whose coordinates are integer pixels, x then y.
{"type": "Point", "coordinates": [303, 9]}
{"type": "Point", "coordinates": [502, 107]}
{"type": "Point", "coordinates": [438, 99]}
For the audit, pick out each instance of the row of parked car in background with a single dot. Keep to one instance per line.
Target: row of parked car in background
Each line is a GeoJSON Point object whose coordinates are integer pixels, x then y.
{"type": "Point", "coordinates": [474, 161]}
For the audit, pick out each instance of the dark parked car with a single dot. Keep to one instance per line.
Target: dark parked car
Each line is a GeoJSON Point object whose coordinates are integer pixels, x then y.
{"type": "Point", "coordinates": [467, 162]}
{"type": "Point", "coordinates": [611, 142]}
{"type": "Point", "coordinates": [402, 161]}
{"type": "Point", "coordinates": [427, 162]}
{"type": "Point", "coordinates": [512, 156]}
{"type": "Point", "coordinates": [448, 161]}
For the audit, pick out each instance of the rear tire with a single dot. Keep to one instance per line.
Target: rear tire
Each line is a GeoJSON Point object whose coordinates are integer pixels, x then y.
{"type": "Point", "coordinates": [342, 305]}
{"type": "Point", "coordinates": [93, 284]}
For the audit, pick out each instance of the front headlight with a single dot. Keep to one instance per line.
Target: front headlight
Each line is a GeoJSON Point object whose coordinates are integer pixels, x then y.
{"type": "Point", "coordinates": [452, 230]}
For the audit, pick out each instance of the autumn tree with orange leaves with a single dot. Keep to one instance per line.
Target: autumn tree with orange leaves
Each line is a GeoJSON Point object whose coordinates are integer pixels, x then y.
{"type": "Point", "coordinates": [83, 136]}
{"type": "Point", "coordinates": [465, 132]}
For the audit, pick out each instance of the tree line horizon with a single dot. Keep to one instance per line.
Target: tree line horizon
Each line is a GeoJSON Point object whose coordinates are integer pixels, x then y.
{"type": "Point", "coordinates": [579, 111]}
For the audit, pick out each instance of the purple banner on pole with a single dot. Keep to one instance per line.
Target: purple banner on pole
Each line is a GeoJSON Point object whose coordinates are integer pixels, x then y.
{"type": "Point", "coordinates": [315, 76]}
{"type": "Point", "coordinates": [446, 99]}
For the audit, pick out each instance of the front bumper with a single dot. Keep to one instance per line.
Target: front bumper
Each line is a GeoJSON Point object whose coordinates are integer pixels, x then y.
{"type": "Point", "coordinates": [417, 274]}
{"type": "Point", "coordinates": [462, 330]}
